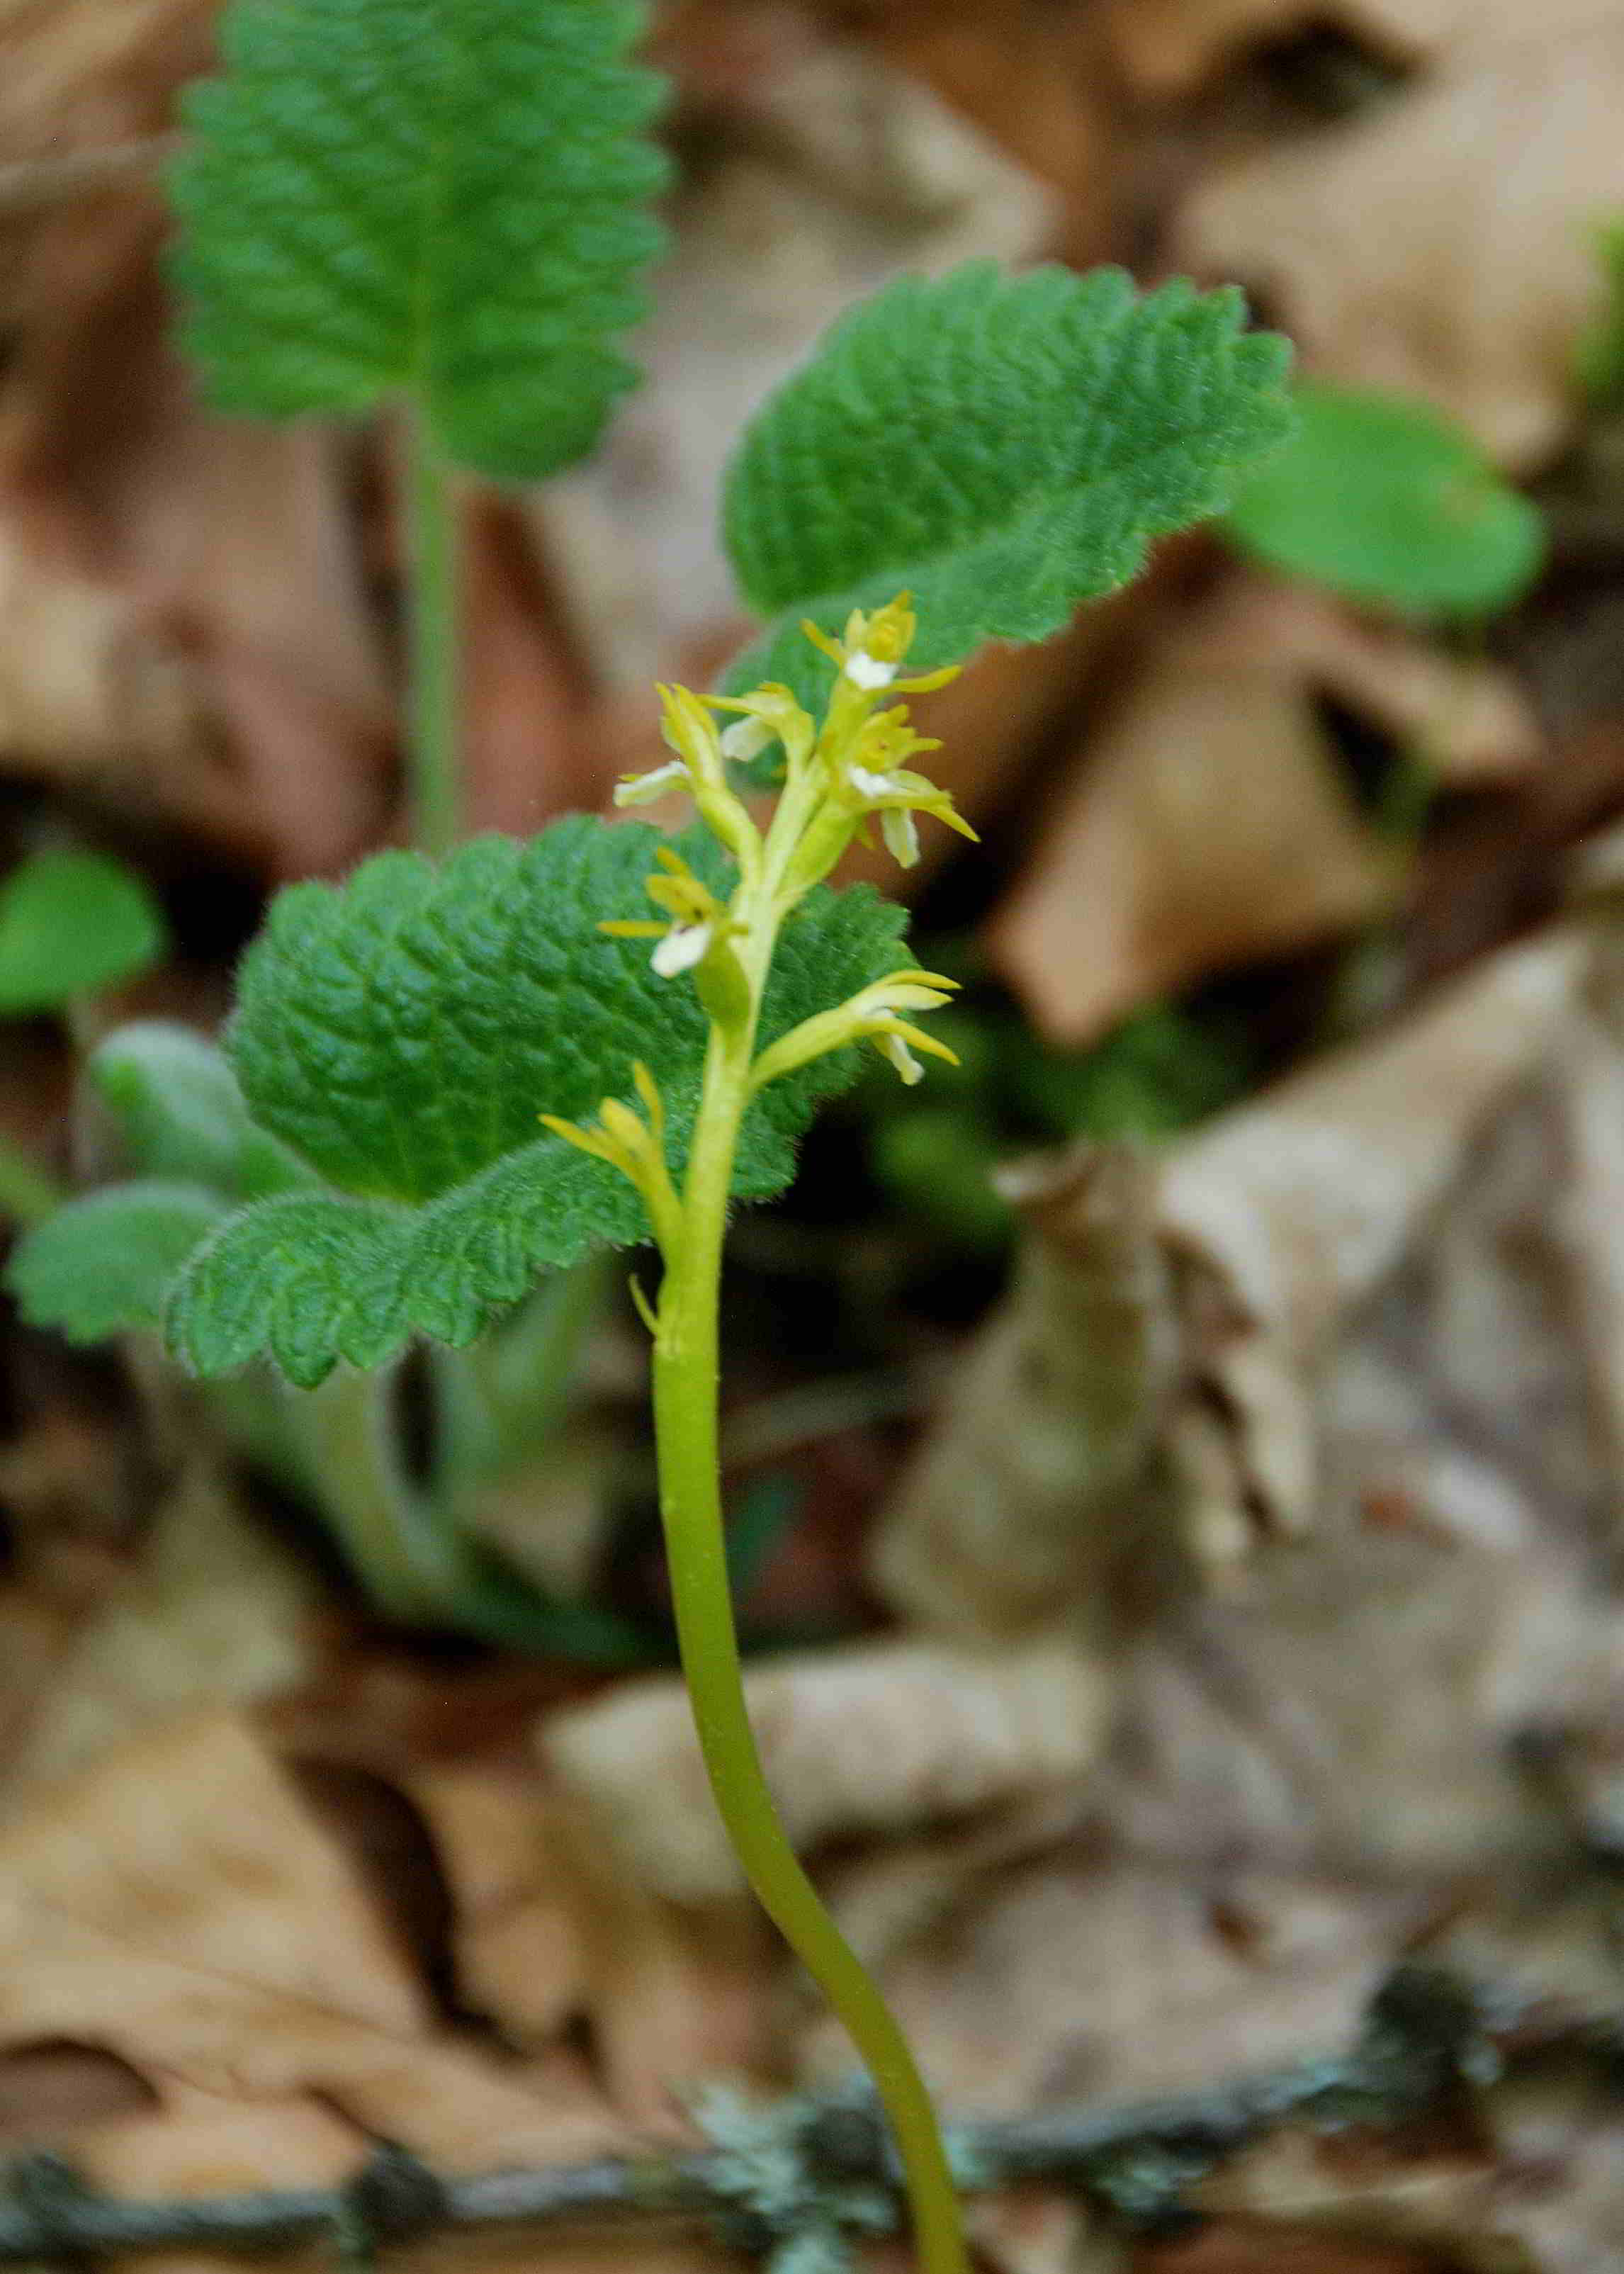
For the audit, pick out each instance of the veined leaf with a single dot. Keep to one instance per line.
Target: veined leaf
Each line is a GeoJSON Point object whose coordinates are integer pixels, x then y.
{"type": "Point", "coordinates": [404, 1032]}
{"type": "Point", "coordinates": [181, 1112]}
{"type": "Point", "coordinates": [103, 1265]}
{"type": "Point", "coordinates": [1003, 447]}
{"type": "Point", "coordinates": [1385, 499]}
{"type": "Point", "coordinates": [443, 198]}
{"type": "Point", "coordinates": [70, 923]}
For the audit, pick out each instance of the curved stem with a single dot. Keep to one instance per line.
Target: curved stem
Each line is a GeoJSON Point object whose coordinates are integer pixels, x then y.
{"type": "Point", "coordinates": [348, 1441]}
{"type": "Point", "coordinates": [433, 725]}
{"type": "Point", "coordinates": [686, 1377]}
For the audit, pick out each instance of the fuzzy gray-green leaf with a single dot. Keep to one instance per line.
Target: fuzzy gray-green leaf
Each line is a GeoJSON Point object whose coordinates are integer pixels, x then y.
{"type": "Point", "coordinates": [181, 1113]}
{"type": "Point", "coordinates": [447, 200]}
{"type": "Point", "coordinates": [404, 1032]}
{"type": "Point", "coordinates": [103, 1265]}
{"type": "Point", "coordinates": [1002, 447]}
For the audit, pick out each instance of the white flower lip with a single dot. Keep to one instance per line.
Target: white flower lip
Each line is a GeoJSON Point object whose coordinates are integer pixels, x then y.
{"type": "Point", "coordinates": [903, 1059]}
{"type": "Point", "coordinates": [867, 671]}
{"type": "Point", "coordinates": [683, 946]}
{"type": "Point", "coordinates": [746, 739]}
{"type": "Point", "coordinates": [642, 789]}
{"type": "Point", "coordinates": [868, 785]}
{"type": "Point", "coordinates": [901, 835]}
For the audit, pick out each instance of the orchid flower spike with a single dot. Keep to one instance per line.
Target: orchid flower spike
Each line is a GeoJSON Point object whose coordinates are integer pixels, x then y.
{"type": "Point", "coordinates": [873, 1015]}
{"type": "Point", "coordinates": [870, 652]}
{"type": "Point", "coordinates": [635, 1144]}
{"type": "Point", "coordinates": [696, 920]}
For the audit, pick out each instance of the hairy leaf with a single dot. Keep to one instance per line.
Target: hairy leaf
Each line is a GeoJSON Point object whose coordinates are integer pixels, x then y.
{"type": "Point", "coordinates": [1003, 447]}
{"type": "Point", "coordinates": [70, 923]}
{"type": "Point", "coordinates": [102, 1265]}
{"type": "Point", "coordinates": [404, 1032]}
{"type": "Point", "coordinates": [444, 199]}
{"type": "Point", "coordinates": [1385, 499]}
{"type": "Point", "coordinates": [181, 1112]}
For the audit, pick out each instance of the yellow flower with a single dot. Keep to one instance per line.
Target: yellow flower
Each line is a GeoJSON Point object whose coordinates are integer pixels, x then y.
{"type": "Point", "coordinates": [872, 1015]}
{"type": "Point", "coordinates": [697, 920]}
{"type": "Point", "coordinates": [873, 647]}
{"type": "Point", "coordinates": [635, 1147]}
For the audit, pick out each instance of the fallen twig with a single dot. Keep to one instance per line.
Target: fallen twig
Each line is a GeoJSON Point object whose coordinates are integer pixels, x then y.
{"type": "Point", "coordinates": [1427, 2039]}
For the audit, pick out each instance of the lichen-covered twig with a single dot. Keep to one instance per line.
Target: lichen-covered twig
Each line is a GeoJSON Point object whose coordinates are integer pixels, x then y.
{"type": "Point", "coordinates": [1428, 2037]}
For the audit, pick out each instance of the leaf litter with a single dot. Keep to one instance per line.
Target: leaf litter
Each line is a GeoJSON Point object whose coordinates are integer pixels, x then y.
{"type": "Point", "coordinates": [1251, 1596]}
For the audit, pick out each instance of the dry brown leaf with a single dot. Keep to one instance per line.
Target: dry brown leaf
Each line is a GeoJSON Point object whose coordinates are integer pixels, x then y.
{"type": "Point", "coordinates": [79, 74]}
{"type": "Point", "coordinates": [1443, 245]}
{"type": "Point", "coordinates": [1207, 828]}
{"type": "Point", "coordinates": [1194, 1318]}
{"type": "Point", "coordinates": [215, 563]}
{"type": "Point", "coordinates": [1021, 1506]}
{"type": "Point", "coordinates": [1307, 1197]}
{"type": "Point", "coordinates": [79, 686]}
{"type": "Point", "coordinates": [1208, 824]}
{"type": "Point", "coordinates": [186, 624]}
{"type": "Point", "coordinates": [830, 176]}
{"type": "Point", "coordinates": [1292, 1210]}
{"type": "Point", "coordinates": [178, 1905]}
{"type": "Point", "coordinates": [518, 1944]}
{"type": "Point", "coordinates": [1465, 715]}
{"type": "Point", "coordinates": [1166, 48]}
{"type": "Point", "coordinates": [548, 1926]}
{"type": "Point", "coordinates": [1033, 2229]}
{"type": "Point", "coordinates": [526, 754]}
{"type": "Point", "coordinates": [1032, 79]}
{"type": "Point", "coordinates": [181, 1907]}
{"type": "Point", "coordinates": [1068, 1977]}
{"type": "Point", "coordinates": [871, 1739]}
{"type": "Point", "coordinates": [1308, 1766]}
{"type": "Point", "coordinates": [215, 1611]}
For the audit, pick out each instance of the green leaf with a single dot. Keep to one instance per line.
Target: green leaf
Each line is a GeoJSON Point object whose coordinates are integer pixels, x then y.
{"type": "Point", "coordinates": [69, 924]}
{"type": "Point", "coordinates": [403, 1032]}
{"type": "Point", "coordinates": [1599, 356]}
{"type": "Point", "coordinates": [102, 1265]}
{"type": "Point", "coordinates": [939, 1161]}
{"type": "Point", "coordinates": [1002, 447]}
{"type": "Point", "coordinates": [444, 199]}
{"type": "Point", "coordinates": [1386, 499]}
{"type": "Point", "coordinates": [308, 1279]}
{"type": "Point", "coordinates": [1159, 1072]}
{"type": "Point", "coordinates": [181, 1112]}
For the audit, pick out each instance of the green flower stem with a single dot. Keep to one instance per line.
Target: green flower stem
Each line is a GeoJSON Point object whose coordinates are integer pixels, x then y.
{"type": "Point", "coordinates": [27, 1192]}
{"type": "Point", "coordinates": [685, 1378]}
{"type": "Point", "coordinates": [348, 1441]}
{"type": "Point", "coordinates": [434, 724]}
{"type": "Point", "coordinates": [504, 1400]}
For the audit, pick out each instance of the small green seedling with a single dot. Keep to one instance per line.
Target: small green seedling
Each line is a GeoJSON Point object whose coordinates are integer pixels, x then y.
{"type": "Point", "coordinates": [71, 923]}
{"type": "Point", "coordinates": [1387, 501]}
{"type": "Point", "coordinates": [456, 1075]}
